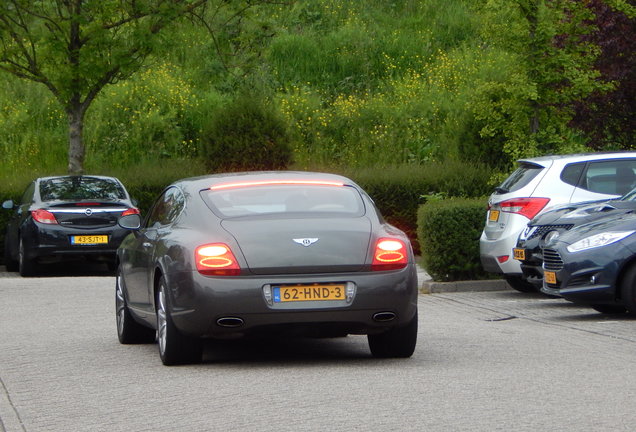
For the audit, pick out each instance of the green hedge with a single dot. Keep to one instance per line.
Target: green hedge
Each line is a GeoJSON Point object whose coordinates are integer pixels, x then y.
{"type": "Point", "coordinates": [397, 191]}
{"type": "Point", "coordinates": [448, 233]}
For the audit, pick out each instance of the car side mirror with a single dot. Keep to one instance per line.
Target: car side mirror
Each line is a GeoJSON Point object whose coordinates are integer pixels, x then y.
{"type": "Point", "coordinates": [8, 204]}
{"type": "Point", "coordinates": [130, 222]}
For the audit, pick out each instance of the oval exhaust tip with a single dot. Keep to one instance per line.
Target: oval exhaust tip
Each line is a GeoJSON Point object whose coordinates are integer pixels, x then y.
{"type": "Point", "coordinates": [230, 322]}
{"type": "Point", "coordinates": [384, 316]}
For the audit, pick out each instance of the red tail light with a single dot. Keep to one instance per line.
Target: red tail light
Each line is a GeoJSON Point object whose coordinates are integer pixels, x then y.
{"type": "Point", "coordinates": [44, 216]}
{"type": "Point", "coordinates": [216, 259]}
{"type": "Point", "coordinates": [389, 254]}
{"type": "Point", "coordinates": [528, 207]}
{"type": "Point", "coordinates": [130, 211]}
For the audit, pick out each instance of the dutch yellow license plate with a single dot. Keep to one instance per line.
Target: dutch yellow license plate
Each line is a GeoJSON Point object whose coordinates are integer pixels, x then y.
{"type": "Point", "coordinates": [294, 293]}
{"type": "Point", "coordinates": [493, 216]}
{"type": "Point", "coordinates": [550, 277]}
{"type": "Point", "coordinates": [89, 239]}
{"type": "Point", "coordinates": [519, 254]}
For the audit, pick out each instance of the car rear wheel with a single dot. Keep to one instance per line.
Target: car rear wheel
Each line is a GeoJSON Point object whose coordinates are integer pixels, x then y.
{"type": "Point", "coordinates": [174, 347]}
{"type": "Point", "coordinates": [10, 263]}
{"type": "Point", "coordinates": [26, 267]}
{"type": "Point", "coordinates": [399, 342]}
{"type": "Point", "coordinates": [520, 284]}
{"type": "Point", "coordinates": [129, 331]}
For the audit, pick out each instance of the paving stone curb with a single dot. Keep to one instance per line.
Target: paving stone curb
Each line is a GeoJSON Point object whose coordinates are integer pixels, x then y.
{"type": "Point", "coordinates": [430, 287]}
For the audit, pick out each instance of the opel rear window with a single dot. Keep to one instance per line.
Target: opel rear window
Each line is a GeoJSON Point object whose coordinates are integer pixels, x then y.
{"type": "Point", "coordinates": [284, 199]}
{"type": "Point", "coordinates": [519, 178]}
{"type": "Point", "coordinates": [78, 188]}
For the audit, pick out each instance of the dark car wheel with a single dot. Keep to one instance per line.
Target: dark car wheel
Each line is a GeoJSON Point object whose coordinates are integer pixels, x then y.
{"type": "Point", "coordinates": [628, 289]}
{"type": "Point", "coordinates": [174, 347]}
{"type": "Point", "coordinates": [520, 284]}
{"type": "Point", "coordinates": [399, 342]}
{"type": "Point", "coordinates": [10, 263]}
{"type": "Point", "coordinates": [26, 267]}
{"type": "Point", "coordinates": [609, 309]}
{"type": "Point", "coordinates": [129, 331]}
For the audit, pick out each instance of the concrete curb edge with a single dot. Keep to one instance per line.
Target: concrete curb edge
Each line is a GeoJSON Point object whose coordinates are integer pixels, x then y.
{"type": "Point", "coordinates": [430, 287]}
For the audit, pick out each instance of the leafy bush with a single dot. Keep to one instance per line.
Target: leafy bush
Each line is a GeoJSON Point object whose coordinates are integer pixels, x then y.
{"type": "Point", "coordinates": [246, 135]}
{"type": "Point", "coordinates": [448, 232]}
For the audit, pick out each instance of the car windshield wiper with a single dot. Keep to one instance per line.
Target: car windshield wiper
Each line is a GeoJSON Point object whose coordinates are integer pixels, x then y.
{"type": "Point", "coordinates": [501, 190]}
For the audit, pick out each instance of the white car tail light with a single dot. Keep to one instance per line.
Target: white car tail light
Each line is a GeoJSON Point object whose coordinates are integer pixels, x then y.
{"type": "Point", "coordinates": [528, 207]}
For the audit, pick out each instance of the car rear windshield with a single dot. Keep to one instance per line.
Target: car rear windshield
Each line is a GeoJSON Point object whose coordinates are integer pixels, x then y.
{"type": "Point", "coordinates": [519, 178]}
{"type": "Point", "coordinates": [285, 199]}
{"type": "Point", "coordinates": [80, 188]}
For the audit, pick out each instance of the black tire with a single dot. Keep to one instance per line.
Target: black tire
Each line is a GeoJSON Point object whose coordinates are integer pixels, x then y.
{"type": "Point", "coordinates": [609, 309]}
{"type": "Point", "coordinates": [520, 284]}
{"type": "Point", "coordinates": [174, 347]}
{"type": "Point", "coordinates": [399, 342]}
{"type": "Point", "coordinates": [628, 289]}
{"type": "Point", "coordinates": [26, 267]}
{"type": "Point", "coordinates": [129, 331]}
{"type": "Point", "coordinates": [10, 263]}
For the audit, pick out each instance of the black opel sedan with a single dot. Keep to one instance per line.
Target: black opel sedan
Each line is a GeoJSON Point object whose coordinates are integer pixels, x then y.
{"type": "Point", "coordinates": [549, 225]}
{"type": "Point", "coordinates": [595, 264]}
{"type": "Point", "coordinates": [267, 253]}
{"type": "Point", "coordinates": [66, 217]}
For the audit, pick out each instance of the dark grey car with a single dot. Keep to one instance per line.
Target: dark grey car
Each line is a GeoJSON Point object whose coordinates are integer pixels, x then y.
{"type": "Point", "coordinates": [290, 253]}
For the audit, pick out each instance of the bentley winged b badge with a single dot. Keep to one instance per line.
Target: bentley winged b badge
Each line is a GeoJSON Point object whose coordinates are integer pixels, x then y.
{"type": "Point", "coordinates": [305, 241]}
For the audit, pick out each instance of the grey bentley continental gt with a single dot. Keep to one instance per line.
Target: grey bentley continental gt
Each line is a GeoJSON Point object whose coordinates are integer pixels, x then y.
{"type": "Point", "coordinates": [264, 253]}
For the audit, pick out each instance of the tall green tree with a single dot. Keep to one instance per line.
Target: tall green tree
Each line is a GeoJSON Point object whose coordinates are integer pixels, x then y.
{"type": "Point", "coordinates": [77, 47]}
{"type": "Point", "coordinates": [551, 68]}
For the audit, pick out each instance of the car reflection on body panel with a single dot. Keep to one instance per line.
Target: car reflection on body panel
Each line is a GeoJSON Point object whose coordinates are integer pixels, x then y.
{"type": "Point", "coordinates": [237, 255]}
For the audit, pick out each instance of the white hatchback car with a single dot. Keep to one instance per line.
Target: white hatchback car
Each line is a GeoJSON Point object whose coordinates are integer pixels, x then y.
{"type": "Point", "coordinates": [540, 184]}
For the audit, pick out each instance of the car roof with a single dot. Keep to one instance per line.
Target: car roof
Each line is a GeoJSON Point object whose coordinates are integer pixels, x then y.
{"type": "Point", "coordinates": [78, 175]}
{"type": "Point", "coordinates": [205, 182]}
{"type": "Point", "coordinates": [578, 157]}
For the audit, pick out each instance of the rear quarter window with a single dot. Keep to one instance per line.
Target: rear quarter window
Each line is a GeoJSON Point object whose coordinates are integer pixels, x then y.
{"type": "Point", "coordinates": [521, 177]}
{"type": "Point", "coordinates": [614, 177]}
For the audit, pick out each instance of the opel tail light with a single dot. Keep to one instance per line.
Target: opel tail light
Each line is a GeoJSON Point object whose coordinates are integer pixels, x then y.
{"type": "Point", "coordinates": [216, 259]}
{"type": "Point", "coordinates": [44, 216]}
{"type": "Point", "coordinates": [389, 254]}
{"type": "Point", "coordinates": [130, 211]}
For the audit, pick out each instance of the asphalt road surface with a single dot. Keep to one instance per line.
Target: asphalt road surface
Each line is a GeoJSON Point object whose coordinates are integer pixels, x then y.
{"type": "Point", "coordinates": [485, 361]}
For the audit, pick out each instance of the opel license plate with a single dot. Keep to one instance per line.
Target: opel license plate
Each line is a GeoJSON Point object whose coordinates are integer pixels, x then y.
{"type": "Point", "coordinates": [493, 216]}
{"type": "Point", "coordinates": [89, 239]}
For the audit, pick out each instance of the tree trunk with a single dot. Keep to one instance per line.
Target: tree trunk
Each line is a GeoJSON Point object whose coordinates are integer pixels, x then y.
{"type": "Point", "coordinates": [75, 140]}
{"type": "Point", "coordinates": [534, 119]}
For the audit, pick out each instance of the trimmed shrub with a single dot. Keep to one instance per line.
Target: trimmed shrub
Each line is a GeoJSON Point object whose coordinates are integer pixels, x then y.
{"type": "Point", "coordinates": [448, 233]}
{"type": "Point", "coordinates": [247, 135]}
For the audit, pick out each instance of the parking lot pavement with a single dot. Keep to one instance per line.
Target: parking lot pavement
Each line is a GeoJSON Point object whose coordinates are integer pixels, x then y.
{"type": "Point", "coordinates": [485, 361]}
